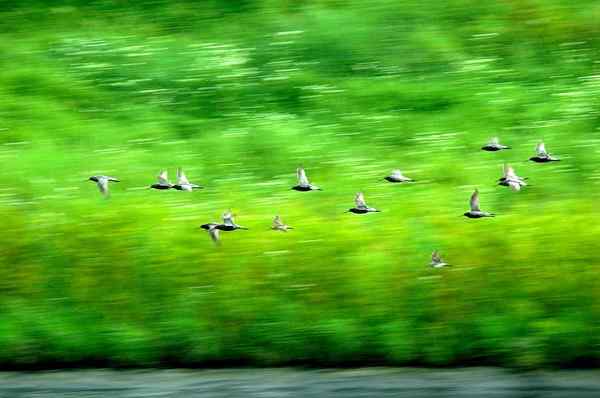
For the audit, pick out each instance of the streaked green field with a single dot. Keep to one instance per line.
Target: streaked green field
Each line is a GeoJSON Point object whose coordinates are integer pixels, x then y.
{"type": "Point", "coordinates": [239, 96]}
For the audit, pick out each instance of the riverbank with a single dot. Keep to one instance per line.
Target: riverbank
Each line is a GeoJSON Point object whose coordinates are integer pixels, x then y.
{"type": "Point", "coordinates": [288, 382]}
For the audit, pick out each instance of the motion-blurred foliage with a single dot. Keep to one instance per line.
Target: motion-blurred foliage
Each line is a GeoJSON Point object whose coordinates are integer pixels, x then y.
{"type": "Point", "coordinates": [240, 93]}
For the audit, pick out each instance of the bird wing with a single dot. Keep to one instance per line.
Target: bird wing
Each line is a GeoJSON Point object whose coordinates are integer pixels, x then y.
{"type": "Point", "coordinates": [541, 149]}
{"type": "Point", "coordinates": [277, 222]}
{"type": "Point", "coordinates": [302, 179]}
{"type": "Point", "coordinates": [510, 173]}
{"type": "Point", "coordinates": [494, 141]}
{"type": "Point", "coordinates": [163, 177]}
{"type": "Point", "coordinates": [504, 170]}
{"type": "Point", "coordinates": [360, 201]}
{"type": "Point", "coordinates": [475, 201]}
{"type": "Point", "coordinates": [181, 178]}
{"type": "Point", "coordinates": [102, 185]}
{"type": "Point", "coordinates": [214, 234]}
{"type": "Point", "coordinates": [228, 219]}
{"type": "Point", "coordinates": [112, 179]}
{"type": "Point", "coordinates": [514, 185]}
{"type": "Point", "coordinates": [397, 174]}
{"type": "Point", "coordinates": [435, 257]}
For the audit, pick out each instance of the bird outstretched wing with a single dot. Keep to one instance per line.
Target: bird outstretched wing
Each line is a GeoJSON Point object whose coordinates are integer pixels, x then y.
{"type": "Point", "coordinates": [360, 201]}
{"type": "Point", "coordinates": [541, 149]}
{"type": "Point", "coordinates": [510, 173]}
{"type": "Point", "coordinates": [214, 234]}
{"type": "Point", "coordinates": [514, 184]}
{"type": "Point", "coordinates": [397, 174]}
{"type": "Point", "coordinates": [163, 177]}
{"type": "Point", "coordinates": [475, 201]}
{"type": "Point", "coordinates": [102, 185]}
{"type": "Point", "coordinates": [277, 223]}
{"type": "Point", "coordinates": [228, 219]}
{"type": "Point", "coordinates": [302, 179]}
{"type": "Point", "coordinates": [181, 178]}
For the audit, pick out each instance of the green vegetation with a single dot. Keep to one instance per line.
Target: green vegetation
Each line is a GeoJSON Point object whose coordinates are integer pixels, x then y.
{"type": "Point", "coordinates": [239, 94]}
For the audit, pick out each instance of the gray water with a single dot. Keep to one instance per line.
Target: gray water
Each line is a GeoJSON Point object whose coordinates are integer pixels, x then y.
{"type": "Point", "coordinates": [274, 383]}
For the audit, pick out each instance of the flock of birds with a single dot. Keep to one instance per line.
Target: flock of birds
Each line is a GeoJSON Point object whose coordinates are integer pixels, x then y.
{"type": "Point", "coordinates": [508, 179]}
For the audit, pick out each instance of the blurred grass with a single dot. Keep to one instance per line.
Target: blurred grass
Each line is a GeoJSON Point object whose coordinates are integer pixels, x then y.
{"type": "Point", "coordinates": [239, 94]}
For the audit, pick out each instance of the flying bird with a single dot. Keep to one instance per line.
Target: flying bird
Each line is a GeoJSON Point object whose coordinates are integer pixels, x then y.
{"type": "Point", "coordinates": [542, 155]}
{"type": "Point", "coordinates": [361, 205]}
{"type": "Point", "coordinates": [102, 182]}
{"type": "Point", "coordinates": [510, 179]}
{"type": "Point", "coordinates": [396, 176]}
{"type": "Point", "coordinates": [163, 181]}
{"type": "Point", "coordinates": [303, 183]}
{"type": "Point", "coordinates": [475, 211]}
{"type": "Point", "coordinates": [228, 224]}
{"type": "Point", "coordinates": [494, 145]}
{"type": "Point", "coordinates": [278, 225]}
{"type": "Point", "coordinates": [183, 184]}
{"type": "Point", "coordinates": [436, 260]}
